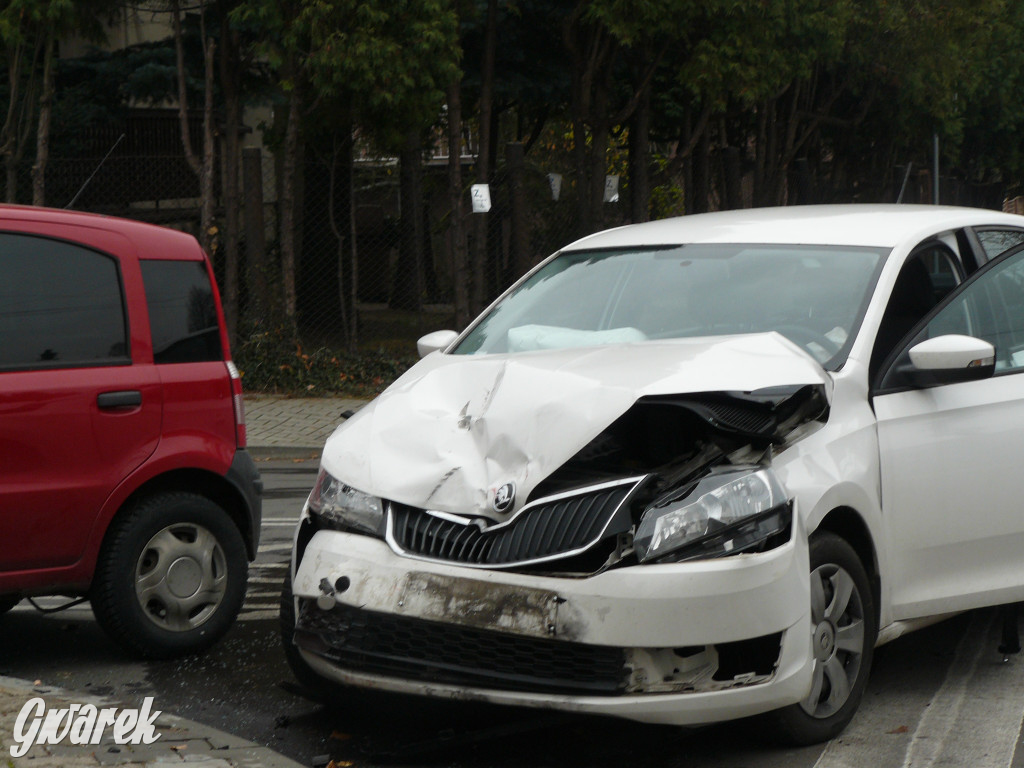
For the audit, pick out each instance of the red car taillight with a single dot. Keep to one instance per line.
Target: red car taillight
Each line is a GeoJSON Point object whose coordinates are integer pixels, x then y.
{"type": "Point", "coordinates": [238, 402]}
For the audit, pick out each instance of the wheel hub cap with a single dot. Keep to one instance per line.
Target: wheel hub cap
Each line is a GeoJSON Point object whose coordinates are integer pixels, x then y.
{"type": "Point", "coordinates": [184, 577]}
{"type": "Point", "coordinates": [181, 577]}
{"type": "Point", "coordinates": [824, 641]}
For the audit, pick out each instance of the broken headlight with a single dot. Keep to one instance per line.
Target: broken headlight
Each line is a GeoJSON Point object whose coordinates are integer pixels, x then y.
{"type": "Point", "coordinates": [342, 506]}
{"type": "Point", "coordinates": [725, 512]}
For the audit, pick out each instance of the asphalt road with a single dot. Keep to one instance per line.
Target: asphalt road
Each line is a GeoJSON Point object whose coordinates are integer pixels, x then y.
{"type": "Point", "coordinates": [942, 696]}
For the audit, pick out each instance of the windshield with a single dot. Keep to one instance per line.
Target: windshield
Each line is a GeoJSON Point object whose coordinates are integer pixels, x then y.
{"type": "Point", "coordinates": [813, 295]}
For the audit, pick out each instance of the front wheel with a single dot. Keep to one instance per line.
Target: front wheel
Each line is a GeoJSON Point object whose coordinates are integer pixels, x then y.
{"type": "Point", "coordinates": [171, 576]}
{"type": "Point", "coordinates": [843, 630]}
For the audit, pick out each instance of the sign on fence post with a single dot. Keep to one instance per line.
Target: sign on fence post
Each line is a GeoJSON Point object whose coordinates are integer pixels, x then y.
{"type": "Point", "coordinates": [611, 188]}
{"type": "Point", "coordinates": [555, 180]}
{"type": "Point", "coordinates": [481, 194]}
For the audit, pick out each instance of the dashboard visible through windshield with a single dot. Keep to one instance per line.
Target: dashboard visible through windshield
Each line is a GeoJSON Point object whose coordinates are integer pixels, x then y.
{"type": "Point", "coordinates": [814, 295]}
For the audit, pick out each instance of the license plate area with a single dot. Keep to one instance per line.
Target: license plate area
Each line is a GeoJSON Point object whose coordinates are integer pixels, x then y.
{"type": "Point", "coordinates": [480, 604]}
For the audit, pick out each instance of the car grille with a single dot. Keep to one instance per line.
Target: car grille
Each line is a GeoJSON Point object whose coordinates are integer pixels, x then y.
{"type": "Point", "coordinates": [397, 646]}
{"type": "Point", "coordinates": [555, 527]}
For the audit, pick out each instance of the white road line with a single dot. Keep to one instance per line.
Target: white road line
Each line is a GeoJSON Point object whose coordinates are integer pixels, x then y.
{"type": "Point", "coordinates": [981, 729]}
{"type": "Point", "coordinates": [939, 719]}
{"type": "Point", "coordinates": [279, 523]}
{"type": "Point", "coordinates": [270, 566]}
{"type": "Point", "coordinates": [981, 732]}
{"type": "Point", "coordinates": [274, 548]}
{"type": "Point", "coordinates": [258, 615]}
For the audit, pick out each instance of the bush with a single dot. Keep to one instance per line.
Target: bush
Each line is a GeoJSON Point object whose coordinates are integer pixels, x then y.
{"type": "Point", "coordinates": [275, 361]}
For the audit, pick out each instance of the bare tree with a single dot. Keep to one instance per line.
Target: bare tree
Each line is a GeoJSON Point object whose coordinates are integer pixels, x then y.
{"type": "Point", "coordinates": [203, 167]}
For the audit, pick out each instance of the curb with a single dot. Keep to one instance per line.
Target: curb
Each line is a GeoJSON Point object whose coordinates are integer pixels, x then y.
{"type": "Point", "coordinates": [293, 452]}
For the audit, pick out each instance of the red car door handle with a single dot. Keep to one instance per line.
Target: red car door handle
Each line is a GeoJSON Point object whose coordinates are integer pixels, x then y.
{"type": "Point", "coordinates": [131, 398]}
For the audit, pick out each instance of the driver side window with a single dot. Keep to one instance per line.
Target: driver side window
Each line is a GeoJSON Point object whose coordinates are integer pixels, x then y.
{"type": "Point", "coordinates": [990, 307]}
{"type": "Point", "coordinates": [926, 278]}
{"type": "Point", "coordinates": [998, 300]}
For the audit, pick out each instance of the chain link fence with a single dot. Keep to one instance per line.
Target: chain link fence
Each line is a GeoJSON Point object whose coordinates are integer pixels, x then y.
{"type": "Point", "coordinates": [369, 277]}
{"type": "Point", "coordinates": [361, 301]}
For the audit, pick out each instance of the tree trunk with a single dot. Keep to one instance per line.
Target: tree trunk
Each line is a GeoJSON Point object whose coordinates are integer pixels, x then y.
{"type": "Point", "coordinates": [701, 191]}
{"type": "Point", "coordinates": [640, 159]}
{"type": "Point", "coordinates": [208, 234]}
{"type": "Point", "coordinates": [353, 243]}
{"type": "Point", "coordinates": [456, 221]}
{"type": "Point", "coordinates": [229, 70]}
{"type": "Point", "coordinates": [259, 304]}
{"type": "Point", "coordinates": [179, 54]}
{"type": "Point", "coordinates": [11, 173]}
{"type": "Point", "coordinates": [519, 242]}
{"type": "Point", "coordinates": [591, 51]}
{"type": "Point", "coordinates": [478, 257]}
{"type": "Point", "coordinates": [204, 167]}
{"type": "Point", "coordinates": [733, 178]}
{"type": "Point", "coordinates": [407, 284]}
{"type": "Point", "coordinates": [579, 148]}
{"type": "Point", "coordinates": [43, 133]}
{"type": "Point", "coordinates": [339, 205]}
{"type": "Point", "coordinates": [599, 139]}
{"type": "Point", "coordinates": [288, 234]}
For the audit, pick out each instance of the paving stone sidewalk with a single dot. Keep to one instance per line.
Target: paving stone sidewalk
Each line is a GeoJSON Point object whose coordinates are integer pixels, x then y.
{"type": "Point", "coordinates": [181, 741]}
{"type": "Point", "coordinates": [293, 427]}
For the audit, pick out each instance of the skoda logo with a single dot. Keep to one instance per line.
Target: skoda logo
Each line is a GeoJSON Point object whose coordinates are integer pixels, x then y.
{"type": "Point", "coordinates": [503, 497]}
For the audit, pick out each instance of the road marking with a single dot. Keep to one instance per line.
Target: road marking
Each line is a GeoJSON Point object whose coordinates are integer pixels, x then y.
{"type": "Point", "coordinates": [981, 730]}
{"type": "Point", "coordinates": [983, 733]}
{"type": "Point", "coordinates": [280, 523]}
{"type": "Point", "coordinates": [261, 615]}
{"type": "Point", "coordinates": [263, 593]}
{"type": "Point", "coordinates": [274, 548]}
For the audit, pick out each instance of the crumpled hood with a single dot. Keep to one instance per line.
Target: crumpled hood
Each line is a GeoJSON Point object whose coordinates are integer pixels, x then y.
{"type": "Point", "coordinates": [455, 428]}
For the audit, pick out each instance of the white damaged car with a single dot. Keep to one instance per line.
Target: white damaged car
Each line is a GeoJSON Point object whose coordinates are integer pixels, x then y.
{"type": "Point", "coordinates": [683, 472]}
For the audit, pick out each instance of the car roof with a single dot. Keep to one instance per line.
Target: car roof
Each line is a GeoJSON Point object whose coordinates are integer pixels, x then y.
{"type": "Point", "coordinates": [855, 225]}
{"type": "Point", "coordinates": [150, 239]}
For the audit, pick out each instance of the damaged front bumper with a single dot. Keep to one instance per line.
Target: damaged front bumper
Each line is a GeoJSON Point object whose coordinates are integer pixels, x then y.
{"type": "Point", "coordinates": [684, 643]}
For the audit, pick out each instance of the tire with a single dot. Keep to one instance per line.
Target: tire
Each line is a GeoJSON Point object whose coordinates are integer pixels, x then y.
{"type": "Point", "coordinates": [7, 603]}
{"type": "Point", "coordinates": [171, 576]}
{"type": "Point", "coordinates": [843, 632]}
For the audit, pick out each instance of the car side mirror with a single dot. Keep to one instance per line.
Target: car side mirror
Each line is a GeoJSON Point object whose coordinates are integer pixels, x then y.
{"type": "Point", "coordinates": [435, 341]}
{"type": "Point", "coordinates": [949, 359]}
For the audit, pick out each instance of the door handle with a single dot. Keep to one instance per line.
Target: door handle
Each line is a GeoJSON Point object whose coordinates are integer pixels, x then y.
{"type": "Point", "coordinates": [131, 398]}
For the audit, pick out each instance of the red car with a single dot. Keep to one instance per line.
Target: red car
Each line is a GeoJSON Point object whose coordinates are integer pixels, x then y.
{"type": "Point", "coordinates": [123, 470]}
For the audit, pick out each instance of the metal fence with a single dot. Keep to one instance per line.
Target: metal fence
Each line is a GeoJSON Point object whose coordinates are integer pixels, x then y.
{"type": "Point", "coordinates": [371, 297]}
{"type": "Point", "coordinates": [345, 298]}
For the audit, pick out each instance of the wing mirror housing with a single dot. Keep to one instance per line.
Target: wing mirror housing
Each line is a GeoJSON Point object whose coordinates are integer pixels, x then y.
{"type": "Point", "coordinates": [949, 359]}
{"type": "Point", "coordinates": [435, 341]}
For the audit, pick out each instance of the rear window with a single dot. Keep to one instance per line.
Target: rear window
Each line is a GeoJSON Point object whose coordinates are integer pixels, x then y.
{"type": "Point", "coordinates": [61, 305]}
{"type": "Point", "coordinates": [182, 312]}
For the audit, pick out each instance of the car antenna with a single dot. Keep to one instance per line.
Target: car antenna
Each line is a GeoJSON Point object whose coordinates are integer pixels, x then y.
{"type": "Point", "coordinates": [82, 188]}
